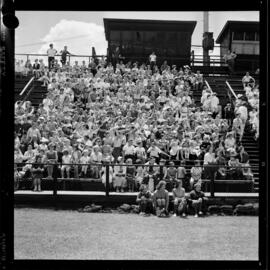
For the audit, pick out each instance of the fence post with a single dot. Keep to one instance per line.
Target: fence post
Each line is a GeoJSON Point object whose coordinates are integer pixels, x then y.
{"type": "Point", "coordinates": [55, 172]}
{"type": "Point", "coordinates": [212, 183]}
{"type": "Point", "coordinates": [107, 186]}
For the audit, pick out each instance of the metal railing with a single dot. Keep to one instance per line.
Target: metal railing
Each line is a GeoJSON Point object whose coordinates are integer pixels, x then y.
{"type": "Point", "coordinates": [208, 86]}
{"type": "Point", "coordinates": [27, 85]}
{"type": "Point", "coordinates": [194, 58]}
{"type": "Point", "coordinates": [211, 168]}
{"type": "Point", "coordinates": [230, 88]}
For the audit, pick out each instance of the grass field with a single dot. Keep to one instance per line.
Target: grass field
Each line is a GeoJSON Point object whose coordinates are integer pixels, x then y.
{"type": "Point", "coordinates": [49, 234]}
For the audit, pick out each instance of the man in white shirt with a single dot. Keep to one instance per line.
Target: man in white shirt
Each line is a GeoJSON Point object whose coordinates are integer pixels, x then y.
{"type": "Point", "coordinates": [152, 60]}
{"type": "Point", "coordinates": [51, 52]}
{"type": "Point", "coordinates": [129, 150]}
{"type": "Point", "coordinates": [230, 60]}
{"type": "Point", "coordinates": [214, 103]}
{"type": "Point", "coordinates": [243, 115]}
{"type": "Point", "coordinates": [248, 80]}
{"type": "Point", "coordinates": [140, 151]}
{"type": "Point", "coordinates": [238, 126]}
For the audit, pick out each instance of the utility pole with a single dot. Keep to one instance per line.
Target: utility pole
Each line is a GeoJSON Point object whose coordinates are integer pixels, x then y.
{"type": "Point", "coordinates": [206, 59]}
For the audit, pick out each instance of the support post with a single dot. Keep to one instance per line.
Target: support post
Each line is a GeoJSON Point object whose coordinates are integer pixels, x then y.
{"type": "Point", "coordinates": [212, 185]}
{"type": "Point", "coordinates": [107, 186]}
{"type": "Point", "coordinates": [55, 169]}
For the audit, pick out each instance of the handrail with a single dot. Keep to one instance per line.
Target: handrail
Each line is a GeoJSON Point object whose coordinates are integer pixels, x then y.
{"type": "Point", "coordinates": [215, 165]}
{"type": "Point", "coordinates": [212, 176]}
{"type": "Point", "coordinates": [229, 86]}
{"type": "Point", "coordinates": [24, 89]}
{"type": "Point", "coordinates": [42, 54]}
{"type": "Point", "coordinates": [208, 86]}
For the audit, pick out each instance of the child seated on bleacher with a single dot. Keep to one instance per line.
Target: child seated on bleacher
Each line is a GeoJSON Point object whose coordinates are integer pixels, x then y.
{"type": "Point", "coordinates": [170, 176]}
{"type": "Point", "coordinates": [234, 171]}
{"type": "Point", "coordinates": [139, 174]}
{"type": "Point", "coordinates": [130, 175]}
{"type": "Point", "coordinates": [66, 167]}
{"type": "Point", "coordinates": [37, 173]}
{"type": "Point", "coordinates": [119, 175]}
{"type": "Point", "coordinates": [247, 173]}
{"type": "Point", "coordinates": [181, 171]}
{"type": "Point", "coordinates": [144, 199]}
{"type": "Point", "coordinates": [179, 199]}
{"type": "Point", "coordinates": [161, 199]}
{"type": "Point", "coordinates": [196, 174]}
{"type": "Point", "coordinates": [84, 160]}
{"type": "Point", "coordinates": [197, 200]}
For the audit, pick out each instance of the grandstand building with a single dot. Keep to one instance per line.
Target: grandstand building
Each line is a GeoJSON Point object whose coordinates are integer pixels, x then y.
{"type": "Point", "coordinates": [136, 39]}
{"type": "Point", "coordinates": [243, 38]}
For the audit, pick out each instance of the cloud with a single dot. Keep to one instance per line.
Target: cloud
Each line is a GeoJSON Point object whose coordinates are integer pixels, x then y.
{"type": "Point", "coordinates": [79, 36]}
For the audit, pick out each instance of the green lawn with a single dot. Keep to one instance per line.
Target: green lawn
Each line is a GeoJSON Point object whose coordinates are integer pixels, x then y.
{"type": "Point", "coordinates": [49, 234]}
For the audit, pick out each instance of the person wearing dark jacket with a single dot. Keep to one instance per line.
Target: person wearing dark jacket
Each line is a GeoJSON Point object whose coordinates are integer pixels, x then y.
{"type": "Point", "coordinates": [161, 199]}
{"type": "Point", "coordinates": [144, 199]}
{"type": "Point", "coordinates": [197, 199]}
{"type": "Point", "coordinates": [37, 173]}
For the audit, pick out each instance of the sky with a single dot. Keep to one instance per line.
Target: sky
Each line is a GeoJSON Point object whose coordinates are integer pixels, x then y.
{"type": "Point", "coordinates": [81, 31]}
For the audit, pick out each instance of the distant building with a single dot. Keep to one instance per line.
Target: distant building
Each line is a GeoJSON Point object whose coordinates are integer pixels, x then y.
{"type": "Point", "coordinates": [243, 38]}
{"type": "Point", "coordinates": [137, 39]}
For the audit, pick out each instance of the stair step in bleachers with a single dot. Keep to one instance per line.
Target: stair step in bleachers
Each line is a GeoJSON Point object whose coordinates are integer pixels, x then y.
{"type": "Point", "coordinates": [218, 85]}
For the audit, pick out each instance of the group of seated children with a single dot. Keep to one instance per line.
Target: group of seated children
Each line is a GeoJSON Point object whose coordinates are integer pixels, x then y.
{"type": "Point", "coordinates": [158, 201]}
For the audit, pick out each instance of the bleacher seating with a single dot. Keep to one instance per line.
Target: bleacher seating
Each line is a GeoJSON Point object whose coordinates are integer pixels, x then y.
{"type": "Point", "coordinates": [217, 84]}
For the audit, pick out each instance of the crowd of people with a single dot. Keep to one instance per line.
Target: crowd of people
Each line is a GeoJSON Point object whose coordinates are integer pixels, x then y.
{"type": "Point", "coordinates": [140, 119]}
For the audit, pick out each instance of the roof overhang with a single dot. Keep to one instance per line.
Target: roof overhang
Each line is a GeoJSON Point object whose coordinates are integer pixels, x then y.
{"type": "Point", "coordinates": [235, 26]}
{"type": "Point", "coordinates": [147, 25]}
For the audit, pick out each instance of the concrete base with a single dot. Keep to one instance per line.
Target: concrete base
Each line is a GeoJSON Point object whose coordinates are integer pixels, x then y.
{"type": "Point", "coordinates": [76, 199]}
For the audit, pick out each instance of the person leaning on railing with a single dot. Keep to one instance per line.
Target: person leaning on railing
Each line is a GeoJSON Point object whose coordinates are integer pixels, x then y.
{"type": "Point", "coordinates": [51, 155]}
{"type": "Point", "coordinates": [37, 173]}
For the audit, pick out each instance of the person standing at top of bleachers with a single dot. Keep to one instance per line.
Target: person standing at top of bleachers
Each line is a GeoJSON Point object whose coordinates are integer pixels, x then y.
{"type": "Point", "coordinates": [64, 54]}
{"type": "Point", "coordinates": [199, 80]}
{"type": "Point", "coordinates": [152, 60]}
{"type": "Point", "coordinates": [230, 60]}
{"type": "Point", "coordinates": [248, 80]}
{"type": "Point", "coordinates": [51, 52]}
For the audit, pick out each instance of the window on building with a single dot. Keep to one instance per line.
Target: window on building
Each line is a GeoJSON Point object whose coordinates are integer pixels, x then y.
{"type": "Point", "coordinates": [115, 35]}
{"type": "Point", "coordinates": [139, 36]}
{"type": "Point", "coordinates": [238, 35]}
{"type": "Point", "coordinates": [127, 36]}
{"type": "Point", "coordinates": [250, 36]}
{"type": "Point", "coordinates": [171, 37]}
{"type": "Point", "coordinates": [257, 36]}
{"type": "Point", "coordinates": [149, 37]}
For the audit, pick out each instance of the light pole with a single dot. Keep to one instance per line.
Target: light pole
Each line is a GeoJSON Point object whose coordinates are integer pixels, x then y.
{"type": "Point", "coordinates": [206, 59]}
